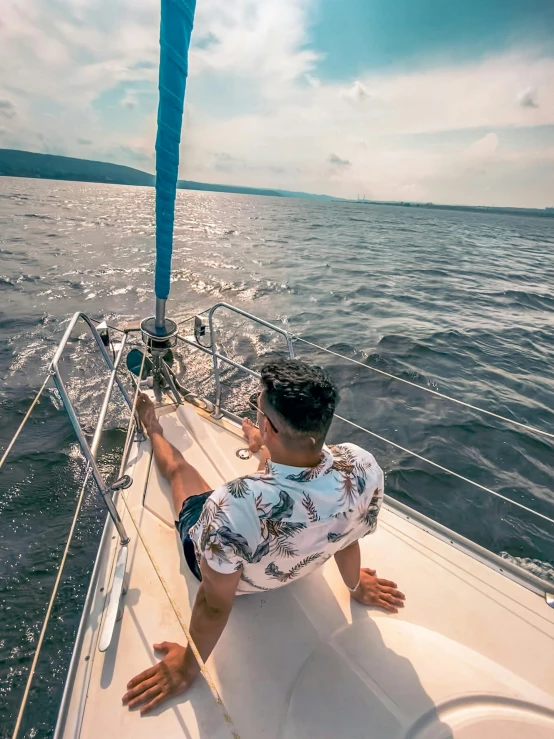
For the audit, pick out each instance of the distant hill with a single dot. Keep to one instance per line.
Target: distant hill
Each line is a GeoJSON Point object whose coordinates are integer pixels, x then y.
{"type": "Point", "coordinates": [15, 163]}
{"type": "Point", "coordinates": [191, 185]}
{"type": "Point", "coordinates": [500, 210]}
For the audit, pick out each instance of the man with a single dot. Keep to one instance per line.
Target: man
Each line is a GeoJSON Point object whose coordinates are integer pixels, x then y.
{"type": "Point", "coordinates": [306, 503]}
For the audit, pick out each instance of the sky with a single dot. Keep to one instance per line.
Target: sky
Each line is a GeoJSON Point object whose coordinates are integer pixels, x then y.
{"type": "Point", "coordinates": [420, 100]}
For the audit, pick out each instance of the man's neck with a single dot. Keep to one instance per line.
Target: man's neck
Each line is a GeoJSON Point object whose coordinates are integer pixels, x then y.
{"type": "Point", "coordinates": [300, 458]}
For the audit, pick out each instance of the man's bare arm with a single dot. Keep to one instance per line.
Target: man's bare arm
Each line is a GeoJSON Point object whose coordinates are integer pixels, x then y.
{"type": "Point", "coordinates": [212, 607]}
{"type": "Point", "coordinates": [371, 590]}
{"type": "Point", "coordinates": [179, 668]}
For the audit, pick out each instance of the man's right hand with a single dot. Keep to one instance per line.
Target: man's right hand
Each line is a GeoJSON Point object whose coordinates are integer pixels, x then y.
{"type": "Point", "coordinates": [164, 680]}
{"type": "Point", "coordinates": [374, 591]}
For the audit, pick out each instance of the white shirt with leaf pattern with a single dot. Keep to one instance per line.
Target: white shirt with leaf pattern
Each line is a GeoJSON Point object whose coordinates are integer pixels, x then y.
{"type": "Point", "coordinates": [281, 524]}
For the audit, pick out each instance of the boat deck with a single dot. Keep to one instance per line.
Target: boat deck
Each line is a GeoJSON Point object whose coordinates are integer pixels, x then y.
{"type": "Point", "coordinates": [470, 656]}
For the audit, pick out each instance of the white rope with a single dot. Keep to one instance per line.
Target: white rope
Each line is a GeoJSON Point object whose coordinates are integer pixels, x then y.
{"type": "Point", "coordinates": [22, 424]}
{"type": "Point", "coordinates": [428, 389]}
{"type": "Point", "coordinates": [445, 469]}
{"type": "Point", "coordinates": [50, 605]}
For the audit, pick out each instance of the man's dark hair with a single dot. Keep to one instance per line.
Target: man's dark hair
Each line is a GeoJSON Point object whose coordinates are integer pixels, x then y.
{"type": "Point", "coordinates": [302, 394]}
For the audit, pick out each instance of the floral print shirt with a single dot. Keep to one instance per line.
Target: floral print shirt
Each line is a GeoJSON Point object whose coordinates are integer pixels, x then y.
{"type": "Point", "coordinates": [279, 525]}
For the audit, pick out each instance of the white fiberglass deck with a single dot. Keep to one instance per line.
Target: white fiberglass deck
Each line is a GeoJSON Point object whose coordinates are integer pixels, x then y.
{"type": "Point", "coordinates": [471, 656]}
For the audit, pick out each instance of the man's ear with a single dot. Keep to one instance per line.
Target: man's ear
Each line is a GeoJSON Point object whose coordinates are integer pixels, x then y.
{"type": "Point", "coordinates": [265, 429]}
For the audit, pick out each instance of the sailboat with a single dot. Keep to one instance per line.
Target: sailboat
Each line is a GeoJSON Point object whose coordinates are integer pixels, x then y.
{"type": "Point", "coordinates": [469, 657]}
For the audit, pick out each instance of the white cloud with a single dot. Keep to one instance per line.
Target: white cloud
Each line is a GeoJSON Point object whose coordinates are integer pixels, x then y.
{"type": "Point", "coordinates": [528, 98]}
{"type": "Point", "coordinates": [257, 110]}
{"type": "Point", "coordinates": [255, 39]}
{"type": "Point", "coordinates": [483, 148]}
{"type": "Point", "coordinates": [357, 92]}
{"type": "Point", "coordinates": [463, 96]}
{"type": "Point", "coordinates": [7, 109]}
{"type": "Point", "coordinates": [129, 100]}
{"type": "Point", "coordinates": [336, 161]}
{"type": "Point", "coordinates": [312, 80]}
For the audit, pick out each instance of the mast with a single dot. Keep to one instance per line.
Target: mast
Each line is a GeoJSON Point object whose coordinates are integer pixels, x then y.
{"type": "Point", "coordinates": [177, 18]}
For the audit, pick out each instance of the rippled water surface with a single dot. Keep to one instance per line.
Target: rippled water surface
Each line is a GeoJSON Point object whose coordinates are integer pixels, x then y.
{"type": "Point", "coordinates": [458, 302]}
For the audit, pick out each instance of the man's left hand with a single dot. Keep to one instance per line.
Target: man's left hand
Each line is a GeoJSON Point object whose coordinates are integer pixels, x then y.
{"type": "Point", "coordinates": [168, 678]}
{"type": "Point", "coordinates": [374, 591]}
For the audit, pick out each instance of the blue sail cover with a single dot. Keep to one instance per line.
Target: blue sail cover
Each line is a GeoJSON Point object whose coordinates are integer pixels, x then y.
{"type": "Point", "coordinates": [177, 17]}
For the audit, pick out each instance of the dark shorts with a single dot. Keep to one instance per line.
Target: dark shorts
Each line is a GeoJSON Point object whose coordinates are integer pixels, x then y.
{"type": "Point", "coordinates": [189, 515]}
